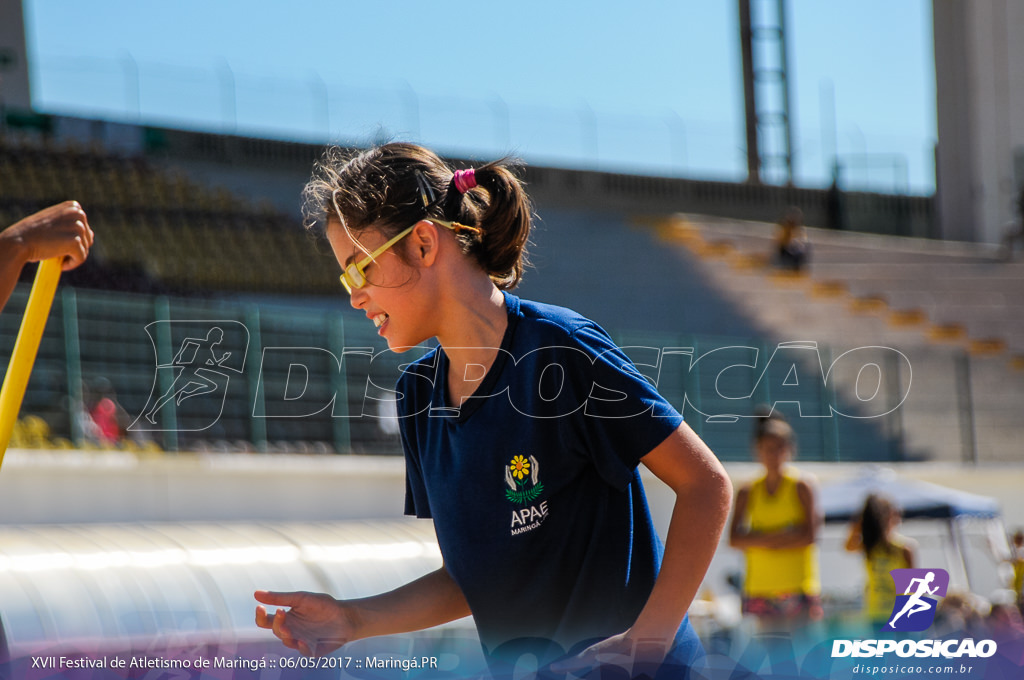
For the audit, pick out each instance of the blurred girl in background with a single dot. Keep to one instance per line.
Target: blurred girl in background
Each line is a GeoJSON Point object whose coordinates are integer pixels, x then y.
{"type": "Point", "coordinates": [873, 532]}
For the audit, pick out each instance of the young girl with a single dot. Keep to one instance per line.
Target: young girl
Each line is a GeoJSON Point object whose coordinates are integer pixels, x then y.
{"type": "Point", "coordinates": [874, 533]}
{"type": "Point", "coordinates": [522, 433]}
{"type": "Point", "coordinates": [775, 523]}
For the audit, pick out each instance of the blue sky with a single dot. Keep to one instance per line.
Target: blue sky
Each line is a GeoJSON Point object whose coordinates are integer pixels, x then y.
{"type": "Point", "coordinates": [645, 86]}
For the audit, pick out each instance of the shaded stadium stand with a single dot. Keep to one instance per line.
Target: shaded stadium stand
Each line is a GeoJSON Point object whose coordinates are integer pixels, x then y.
{"type": "Point", "coordinates": [160, 232]}
{"type": "Point", "coordinates": [953, 309]}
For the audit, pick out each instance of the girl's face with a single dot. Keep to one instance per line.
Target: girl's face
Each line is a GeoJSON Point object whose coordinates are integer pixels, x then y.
{"type": "Point", "coordinates": [773, 451]}
{"type": "Point", "coordinates": [390, 298]}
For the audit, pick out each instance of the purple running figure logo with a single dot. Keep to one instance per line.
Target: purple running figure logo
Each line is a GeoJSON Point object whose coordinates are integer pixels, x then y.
{"type": "Point", "coordinates": [914, 610]}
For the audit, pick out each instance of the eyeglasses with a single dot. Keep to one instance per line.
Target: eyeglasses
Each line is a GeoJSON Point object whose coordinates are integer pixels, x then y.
{"type": "Point", "coordinates": [354, 275]}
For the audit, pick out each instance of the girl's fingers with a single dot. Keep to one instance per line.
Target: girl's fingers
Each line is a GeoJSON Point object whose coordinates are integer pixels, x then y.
{"type": "Point", "coordinates": [89, 235]}
{"type": "Point", "coordinates": [278, 621]}
{"type": "Point", "coordinates": [278, 599]}
{"type": "Point", "coordinates": [264, 620]}
{"type": "Point", "coordinates": [281, 631]}
{"type": "Point", "coordinates": [76, 254]}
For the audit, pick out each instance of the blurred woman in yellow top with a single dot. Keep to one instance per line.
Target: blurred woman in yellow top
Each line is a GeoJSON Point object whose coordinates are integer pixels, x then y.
{"type": "Point", "coordinates": [873, 532]}
{"type": "Point", "coordinates": [775, 523]}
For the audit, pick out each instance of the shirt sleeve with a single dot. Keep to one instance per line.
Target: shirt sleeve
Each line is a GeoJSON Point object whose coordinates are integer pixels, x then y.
{"type": "Point", "coordinates": [625, 417]}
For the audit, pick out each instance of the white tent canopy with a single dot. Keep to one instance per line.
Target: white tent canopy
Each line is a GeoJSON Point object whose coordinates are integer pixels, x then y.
{"type": "Point", "coordinates": [843, 500]}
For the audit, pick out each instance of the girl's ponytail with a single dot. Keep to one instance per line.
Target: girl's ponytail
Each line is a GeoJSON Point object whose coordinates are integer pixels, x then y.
{"type": "Point", "coordinates": [503, 216]}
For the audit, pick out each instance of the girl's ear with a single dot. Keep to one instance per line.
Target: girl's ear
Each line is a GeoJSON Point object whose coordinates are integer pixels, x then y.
{"type": "Point", "coordinates": [424, 242]}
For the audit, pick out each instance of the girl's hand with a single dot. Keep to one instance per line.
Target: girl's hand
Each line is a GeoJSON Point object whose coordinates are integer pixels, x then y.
{"type": "Point", "coordinates": [636, 657]}
{"type": "Point", "coordinates": [61, 230]}
{"type": "Point", "coordinates": [316, 624]}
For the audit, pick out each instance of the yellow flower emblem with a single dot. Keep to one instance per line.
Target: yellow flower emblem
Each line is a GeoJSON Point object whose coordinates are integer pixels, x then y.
{"type": "Point", "coordinates": [520, 467]}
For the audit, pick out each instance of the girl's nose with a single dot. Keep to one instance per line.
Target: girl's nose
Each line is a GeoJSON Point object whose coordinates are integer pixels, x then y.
{"type": "Point", "coordinates": [358, 298]}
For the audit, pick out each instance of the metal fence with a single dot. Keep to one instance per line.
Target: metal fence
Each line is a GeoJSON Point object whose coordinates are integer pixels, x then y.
{"type": "Point", "coordinates": [308, 376]}
{"type": "Point", "coordinates": [224, 99]}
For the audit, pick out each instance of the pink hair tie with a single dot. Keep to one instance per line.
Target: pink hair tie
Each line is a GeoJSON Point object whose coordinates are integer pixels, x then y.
{"type": "Point", "coordinates": [464, 180]}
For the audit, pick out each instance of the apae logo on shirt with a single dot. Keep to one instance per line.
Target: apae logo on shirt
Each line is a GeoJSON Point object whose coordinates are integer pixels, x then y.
{"type": "Point", "coordinates": [522, 476]}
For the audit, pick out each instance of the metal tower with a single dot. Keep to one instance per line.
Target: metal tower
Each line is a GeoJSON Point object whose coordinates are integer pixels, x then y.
{"type": "Point", "coordinates": [766, 91]}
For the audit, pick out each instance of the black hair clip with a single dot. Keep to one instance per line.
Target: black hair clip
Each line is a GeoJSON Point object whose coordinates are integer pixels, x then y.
{"type": "Point", "coordinates": [427, 194]}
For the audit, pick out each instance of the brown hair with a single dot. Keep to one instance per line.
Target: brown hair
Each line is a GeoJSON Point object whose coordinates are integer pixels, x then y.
{"type": "Point", "coordinates": [380, 188]}
{"type": "Point", "coordinates": [874, 521]}
{"type": "Point", "coordinates": [770, 423]}
{"type": "Point", "coordinates": [776, 428]}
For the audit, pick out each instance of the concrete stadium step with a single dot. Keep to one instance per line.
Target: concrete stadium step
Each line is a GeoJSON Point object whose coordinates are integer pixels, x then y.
{"type": "Point", "coordinates": [969, 320]}
{"type": "Point", "coordinates": [622, 277]}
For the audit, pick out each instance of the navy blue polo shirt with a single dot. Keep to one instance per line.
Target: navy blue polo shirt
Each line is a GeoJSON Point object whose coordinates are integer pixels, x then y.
{"type": "Point", "coordinates": [533, 485]}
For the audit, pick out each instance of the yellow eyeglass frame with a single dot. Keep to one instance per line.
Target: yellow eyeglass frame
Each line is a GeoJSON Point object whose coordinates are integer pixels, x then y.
{"type": "Point", "coordinates": [354, 275]}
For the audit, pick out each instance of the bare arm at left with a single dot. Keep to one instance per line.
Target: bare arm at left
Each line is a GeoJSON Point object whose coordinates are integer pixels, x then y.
{"type": "Point", "coordinates": [61, 230]}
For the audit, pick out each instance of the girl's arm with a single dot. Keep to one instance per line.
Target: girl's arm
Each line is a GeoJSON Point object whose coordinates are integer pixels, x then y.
{"type": "Point", "coordinates": [61, 230]}
{"type": "Point", "coordinates": [806, 533]}
{"type": "Point", "coordinates": [854, 540]}
{"type": "Point", "coordinates": [740, 536]}
{"type": "Point", "coordinates": [703, 496]}
{"type": "Point", "coordinates": [317, 624]}
{"type": "Point", "coordinates": [803, 534]}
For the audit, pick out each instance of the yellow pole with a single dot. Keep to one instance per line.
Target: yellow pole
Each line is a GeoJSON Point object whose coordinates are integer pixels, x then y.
{"type": "Point", "coordinates": [26, 346]}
